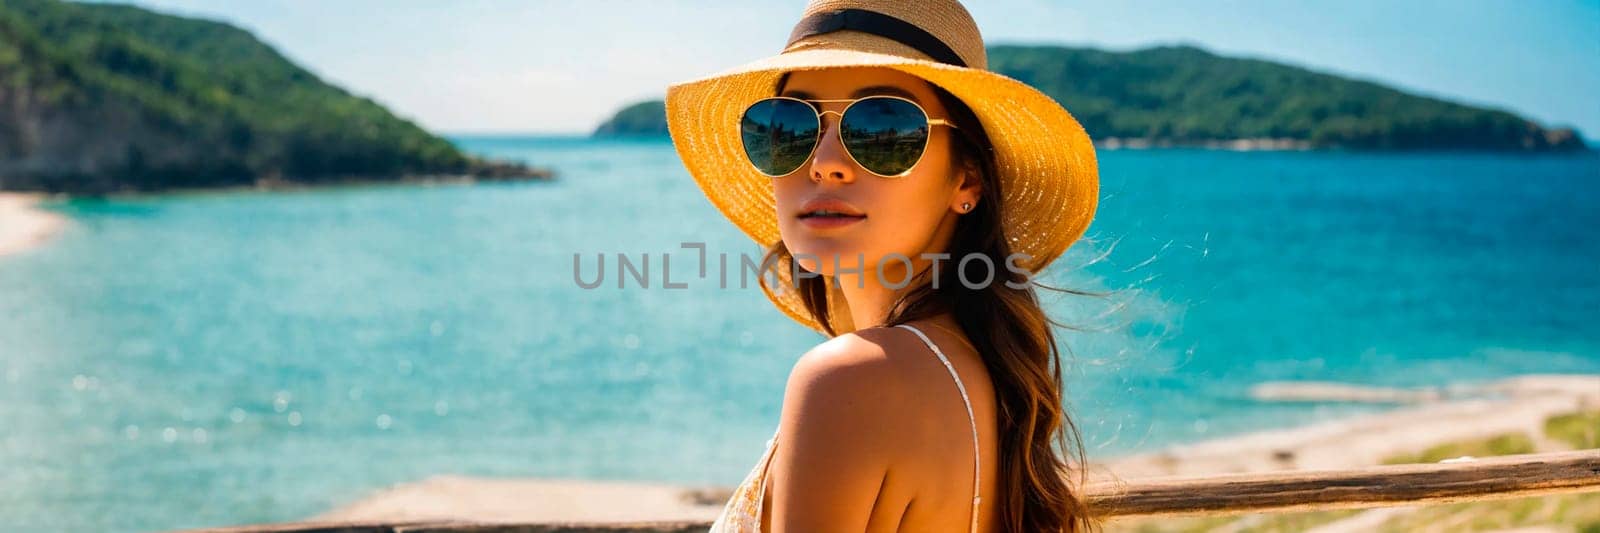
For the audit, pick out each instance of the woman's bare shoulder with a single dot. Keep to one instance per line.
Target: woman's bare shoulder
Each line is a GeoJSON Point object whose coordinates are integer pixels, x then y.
{"type": "Point", "coordinates": [875, 357]}
{"type": "Point", "coordinates": [846, 411]}
{"type": "Point", "coordinates": [873, 374]}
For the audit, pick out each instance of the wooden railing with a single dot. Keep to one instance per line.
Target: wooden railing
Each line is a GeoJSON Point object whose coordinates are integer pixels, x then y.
{"type": "Point", "coordinates": [1505, 477]}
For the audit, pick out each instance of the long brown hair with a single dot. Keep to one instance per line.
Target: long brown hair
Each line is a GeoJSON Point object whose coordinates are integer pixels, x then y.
{"type": "Point", "coordinates": [1014, 339]}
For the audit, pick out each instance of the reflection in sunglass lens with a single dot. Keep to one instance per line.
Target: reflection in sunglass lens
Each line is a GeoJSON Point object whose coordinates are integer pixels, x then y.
{"type": "Point", "coordinates": [885, 135]}
{"type": "Point", "coordinates": [779, 134]}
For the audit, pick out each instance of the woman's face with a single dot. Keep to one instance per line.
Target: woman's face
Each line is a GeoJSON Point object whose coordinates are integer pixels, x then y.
{"type": "Point", "coordinates": [908, 215]}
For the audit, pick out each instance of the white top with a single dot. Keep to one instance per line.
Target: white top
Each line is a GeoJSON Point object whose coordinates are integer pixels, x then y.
{"type": "Point", "coordinates": [742, 514]}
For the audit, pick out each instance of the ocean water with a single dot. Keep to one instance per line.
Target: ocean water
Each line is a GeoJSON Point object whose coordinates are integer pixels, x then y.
{"type": "Point", "coordinates": [224, 358]}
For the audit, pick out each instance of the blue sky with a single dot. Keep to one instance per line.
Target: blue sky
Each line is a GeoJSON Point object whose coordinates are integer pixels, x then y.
{"type": "Point", "coordinates": [564, 66]}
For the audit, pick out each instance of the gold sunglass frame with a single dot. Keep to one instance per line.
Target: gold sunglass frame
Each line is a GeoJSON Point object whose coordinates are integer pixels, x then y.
{"type": "Point", "coordinates": [739, 123]}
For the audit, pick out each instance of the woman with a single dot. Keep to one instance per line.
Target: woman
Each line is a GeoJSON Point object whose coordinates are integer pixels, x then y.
{"type": "Point", "coordinates": [906, 196]}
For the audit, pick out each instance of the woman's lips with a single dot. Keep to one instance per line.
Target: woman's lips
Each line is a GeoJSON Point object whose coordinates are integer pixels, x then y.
{"type": "Point", "coordinates": [826, 212]}
{"type": "Point", "coordinates": [830, 221]}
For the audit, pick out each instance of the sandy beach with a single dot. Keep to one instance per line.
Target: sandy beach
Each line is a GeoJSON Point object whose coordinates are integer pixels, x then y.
{"type": "Point", "coordinates": [24, 226]}
{"type": "Point", "coordinates": [1427, 418]}
{"type": "Point", "coordinates": [1520, 404]}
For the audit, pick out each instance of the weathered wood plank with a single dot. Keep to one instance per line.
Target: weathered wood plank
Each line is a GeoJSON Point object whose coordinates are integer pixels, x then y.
{"type": "Point", "coordinates": [1512, 476]}
{"type": "Point", "coordinates": [682, 526]}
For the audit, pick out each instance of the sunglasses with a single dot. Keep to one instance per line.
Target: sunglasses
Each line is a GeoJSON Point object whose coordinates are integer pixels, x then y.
{"type": "Point", "coordinates": [886, 135]}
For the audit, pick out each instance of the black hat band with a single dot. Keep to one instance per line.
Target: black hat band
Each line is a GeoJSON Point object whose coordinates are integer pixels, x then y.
{"type": "Point", "coordinates": [877, 24]}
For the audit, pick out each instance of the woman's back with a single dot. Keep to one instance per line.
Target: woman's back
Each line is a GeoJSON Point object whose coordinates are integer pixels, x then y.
{"type": "Point", "coordinates": [930, 413]}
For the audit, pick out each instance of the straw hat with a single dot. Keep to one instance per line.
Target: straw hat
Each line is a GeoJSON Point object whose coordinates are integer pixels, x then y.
{"type": "Point", "coordinates": [1045, 161]}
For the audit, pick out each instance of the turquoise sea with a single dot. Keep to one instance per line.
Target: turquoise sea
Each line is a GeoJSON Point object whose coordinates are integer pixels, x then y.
{"type": "Point", "coordinates": [224, 358]}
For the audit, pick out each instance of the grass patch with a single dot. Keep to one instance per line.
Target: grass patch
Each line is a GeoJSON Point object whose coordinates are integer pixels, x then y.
{"type": "Point", "coordinates": [1505, 444]}
{"type": "Point", "coordinates": [1253, 523]}
{"type": "Point", "coordinates": [1580, 510]}
{"type": "Point", "coordinates": [1581, 430]}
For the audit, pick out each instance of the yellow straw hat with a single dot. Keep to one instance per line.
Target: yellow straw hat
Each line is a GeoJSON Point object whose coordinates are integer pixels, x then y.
{"type": "Point", "coordinates": [1045, 161]}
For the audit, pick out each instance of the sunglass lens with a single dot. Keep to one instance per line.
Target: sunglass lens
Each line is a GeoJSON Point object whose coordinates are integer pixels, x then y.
{"type": "Point", "coordinates": [885, 135]}
{"type": "Point", "coordinates": [779, 135]}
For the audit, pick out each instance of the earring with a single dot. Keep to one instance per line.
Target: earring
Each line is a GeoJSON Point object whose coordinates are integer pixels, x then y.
{"type": "Point", "coordinates": [966, 206]}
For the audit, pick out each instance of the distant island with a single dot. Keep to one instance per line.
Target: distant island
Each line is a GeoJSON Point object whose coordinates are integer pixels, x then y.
{"type": "Point", "coordinates": [647, 118]}
{"type": "Point", "coordinates": [1186, 96]}
{"type": "Point", "coordinates": [98, 98]}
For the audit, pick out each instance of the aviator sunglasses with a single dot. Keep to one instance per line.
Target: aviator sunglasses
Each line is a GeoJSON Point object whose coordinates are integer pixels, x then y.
{"type": "Point", "coordinates": [886, 135]}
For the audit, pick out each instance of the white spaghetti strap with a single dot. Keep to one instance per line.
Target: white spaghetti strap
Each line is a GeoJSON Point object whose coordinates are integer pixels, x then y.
{"type": "Point", "coordinates": [976, 455]}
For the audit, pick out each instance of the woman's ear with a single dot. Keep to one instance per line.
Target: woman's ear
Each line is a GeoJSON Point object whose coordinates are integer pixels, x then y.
{"type": "Point", "coordinates": [969, 191]}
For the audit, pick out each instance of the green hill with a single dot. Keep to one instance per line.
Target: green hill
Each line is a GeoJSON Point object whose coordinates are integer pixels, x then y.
{"type": "Point", "coordinates": [1186, 96]}
{"type": "Point", "coordinates": [641, 119]}
{"type": "Point", "coordinates": [101, 97]}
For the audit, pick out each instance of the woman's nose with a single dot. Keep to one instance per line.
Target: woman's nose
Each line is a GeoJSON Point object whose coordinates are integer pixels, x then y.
{"type": "Point", "coordinates": [831, 163]}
